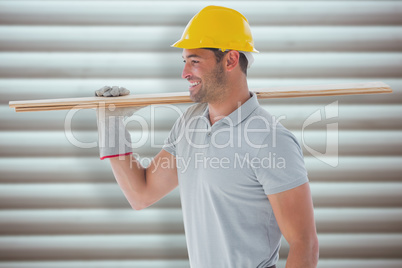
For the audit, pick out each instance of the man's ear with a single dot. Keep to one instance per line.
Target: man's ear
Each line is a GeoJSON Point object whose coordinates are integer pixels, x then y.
{"type": "Point", "coordinates": [232, 59]}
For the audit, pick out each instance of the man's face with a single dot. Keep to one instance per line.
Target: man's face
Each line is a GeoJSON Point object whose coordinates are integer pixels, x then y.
{"type": "Point", "coordinates": [206, 76]}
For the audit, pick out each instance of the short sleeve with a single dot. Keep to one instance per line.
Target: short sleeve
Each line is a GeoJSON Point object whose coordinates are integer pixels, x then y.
{"type": "Point", "coordinates": [171, 141]}
{"type": "Point", "coordinates": [280, 164]}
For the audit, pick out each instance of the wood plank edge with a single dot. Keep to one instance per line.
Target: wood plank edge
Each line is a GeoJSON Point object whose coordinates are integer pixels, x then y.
{"type": "Point", "coordinates": [94, 106]}
{"type": "Point", "coordinates": [176, 98]}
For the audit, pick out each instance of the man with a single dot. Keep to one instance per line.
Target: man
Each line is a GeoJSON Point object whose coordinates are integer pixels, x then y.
{"type": "Point", "coordinates": [244, 183]}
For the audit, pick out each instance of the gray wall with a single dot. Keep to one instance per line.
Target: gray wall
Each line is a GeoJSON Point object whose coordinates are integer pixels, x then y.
{"type": "Point", "coordinates": [59, 204]}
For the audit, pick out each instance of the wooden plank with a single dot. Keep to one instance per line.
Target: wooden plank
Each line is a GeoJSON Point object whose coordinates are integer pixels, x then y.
{"type": "Point", "coordinates": [184, 97]}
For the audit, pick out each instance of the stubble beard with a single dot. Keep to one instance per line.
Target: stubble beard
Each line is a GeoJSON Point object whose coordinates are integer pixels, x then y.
{"type": "Point", "coordinates": [212, 87]}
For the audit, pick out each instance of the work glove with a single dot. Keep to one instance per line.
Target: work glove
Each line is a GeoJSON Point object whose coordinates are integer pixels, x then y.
{"type": "Point", "coordinates": [113, 91]}
{"type": "Point", "coordinates": [114, 139]}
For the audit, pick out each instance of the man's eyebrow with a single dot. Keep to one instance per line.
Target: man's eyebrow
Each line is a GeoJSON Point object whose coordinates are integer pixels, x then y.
{"type": "Point", "coordinates": [192, 56]}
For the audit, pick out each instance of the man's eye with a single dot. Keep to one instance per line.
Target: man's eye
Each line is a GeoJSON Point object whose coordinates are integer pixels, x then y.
{"type": "Point", "coordinates": [192, 61]}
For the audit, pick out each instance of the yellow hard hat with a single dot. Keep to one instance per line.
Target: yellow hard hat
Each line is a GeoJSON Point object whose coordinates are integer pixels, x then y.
{"type": "Point", "coordinates": [217, 27]}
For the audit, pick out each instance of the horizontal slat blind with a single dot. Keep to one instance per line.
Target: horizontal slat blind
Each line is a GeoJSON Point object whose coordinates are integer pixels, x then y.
{"type": "Point", "coordinates": [272, 38]}
{"type": "Point", "coordinates": [60, 206]}
{"type": "Point", "coordinates": [142, 64]}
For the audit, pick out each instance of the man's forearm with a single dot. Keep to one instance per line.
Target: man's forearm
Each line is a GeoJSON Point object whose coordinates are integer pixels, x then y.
{"type": "Point", "coordinates": [145, 186]}
{"type": "Point", "coordinates": [130, 176]}
{"type": "Point", "coordinates": [303, 255]}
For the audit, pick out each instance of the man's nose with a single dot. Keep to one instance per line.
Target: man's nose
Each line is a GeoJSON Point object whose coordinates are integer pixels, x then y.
{"type": "Point", "coordinates": [186, 72]}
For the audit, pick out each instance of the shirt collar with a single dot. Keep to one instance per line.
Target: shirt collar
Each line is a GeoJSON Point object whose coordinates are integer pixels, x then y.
{"type": "Point", "coordinates": [241, 113]}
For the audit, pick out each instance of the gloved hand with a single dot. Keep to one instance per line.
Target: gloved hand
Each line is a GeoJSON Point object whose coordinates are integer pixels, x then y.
{"type": "Point", "coordinates": [114, 91]}
{"type": "Point", "coordinates": [114, 139]}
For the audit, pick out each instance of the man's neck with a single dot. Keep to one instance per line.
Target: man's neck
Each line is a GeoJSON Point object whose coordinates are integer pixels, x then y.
{"type": "Point", "coordinates": [221, 109]}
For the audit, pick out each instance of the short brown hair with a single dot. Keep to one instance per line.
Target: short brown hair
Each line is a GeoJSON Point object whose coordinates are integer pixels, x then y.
{"type": "Point", "coordinates": [243, 62]}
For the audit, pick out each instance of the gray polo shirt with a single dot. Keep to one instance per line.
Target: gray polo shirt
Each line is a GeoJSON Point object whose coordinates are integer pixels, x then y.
{"type": "Point", "coordinates": [225, 173]}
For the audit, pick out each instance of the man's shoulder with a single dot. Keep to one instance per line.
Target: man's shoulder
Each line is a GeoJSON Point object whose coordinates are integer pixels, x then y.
{"type": "Point", "coordinates": [263, 119]}
{"type": "Point", "coordinates": [197, 109]}
{"type": "Point", "coordinates": [194, 111]}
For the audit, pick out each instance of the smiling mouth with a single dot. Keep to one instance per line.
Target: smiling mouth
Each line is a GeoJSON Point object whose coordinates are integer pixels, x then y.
{"type": "Point", "coordinates": [194, 84]}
